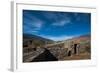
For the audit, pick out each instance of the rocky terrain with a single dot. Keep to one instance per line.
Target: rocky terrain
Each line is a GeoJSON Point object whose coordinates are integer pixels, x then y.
{"type": "Point", "coordinates": [35, 50]}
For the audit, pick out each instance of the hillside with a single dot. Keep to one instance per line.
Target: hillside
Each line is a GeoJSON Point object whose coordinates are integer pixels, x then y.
{"type": "Point", "coordinates": [31, 36]}
{"type": "Point", "coordinates": [34, 51]}
{"type": "Point", "coordinates": [36, 39]}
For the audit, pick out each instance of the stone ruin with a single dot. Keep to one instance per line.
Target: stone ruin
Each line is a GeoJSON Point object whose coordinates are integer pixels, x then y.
{"type": "Point", "coordinates": [51, 52]}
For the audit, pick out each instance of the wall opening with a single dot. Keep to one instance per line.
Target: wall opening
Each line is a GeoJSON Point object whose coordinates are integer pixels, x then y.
{"type": "Point", "coordinates": [75, 48]}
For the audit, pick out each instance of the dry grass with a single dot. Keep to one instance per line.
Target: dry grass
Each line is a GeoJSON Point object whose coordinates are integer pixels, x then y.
{"type": "Point", "coordinates": [81, 56]}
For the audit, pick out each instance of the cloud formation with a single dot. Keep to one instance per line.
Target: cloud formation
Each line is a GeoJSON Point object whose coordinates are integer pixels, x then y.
{"type": "Point", "coordinates": [56, 25]}
{"type": "Point", "coordinates": [62, 22]}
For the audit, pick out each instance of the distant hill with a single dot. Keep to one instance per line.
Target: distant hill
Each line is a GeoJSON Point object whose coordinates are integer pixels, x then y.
{"type": "Point", "coordinates": [81, 37]}
{"type": "Point", "coordinates": [84, 36]}
{"type": "Point", "coordinates": [35, 37]}
{"type": "Point", "coordinates": [31, 52]}
{"type": "Point", "coordinates": [38, 39]}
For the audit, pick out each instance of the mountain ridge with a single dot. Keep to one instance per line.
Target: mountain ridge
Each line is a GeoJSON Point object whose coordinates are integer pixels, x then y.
{"type": "Point", "coordinates": [31, 36]}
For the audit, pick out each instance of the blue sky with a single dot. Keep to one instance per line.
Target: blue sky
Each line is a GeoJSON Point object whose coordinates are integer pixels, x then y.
{"type": "Point", "coordinates": [56, 25]}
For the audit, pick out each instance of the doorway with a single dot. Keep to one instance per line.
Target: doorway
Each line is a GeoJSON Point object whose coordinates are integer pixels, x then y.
{"type": "Point", "coordinates": [75, 48]}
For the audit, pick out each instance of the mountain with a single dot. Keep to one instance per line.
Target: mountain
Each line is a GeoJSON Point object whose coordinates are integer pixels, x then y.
{"type": "Point", "coordinates": [36, 39]}
{"type": "Point", "coordinates": [81, 38]}
{"type": "Point", "coordinates": [87, 36]}
{"type": "Point", "coordinates": [34, 48]}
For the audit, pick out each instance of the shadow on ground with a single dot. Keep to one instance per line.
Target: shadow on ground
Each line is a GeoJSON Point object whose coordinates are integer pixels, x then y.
{"type": "Point", "coordinates": [45, 56]}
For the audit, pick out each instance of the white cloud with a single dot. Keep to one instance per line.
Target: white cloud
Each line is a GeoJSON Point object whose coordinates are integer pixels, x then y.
{"type": "Point", "coordinates": [77, 16]}
{"type": "Point", "coordinates": [37, 24]}
{"type": "Point", "coordinates": [62, 22]}
{"type": "Point", "coordinates": [60, 38]}
{"type": "Point", "coordinates": [34, 22]}
{"type": "Point", "coordinates": [50, 16]}
{"type": "Point", "coordinates": [57, 38]}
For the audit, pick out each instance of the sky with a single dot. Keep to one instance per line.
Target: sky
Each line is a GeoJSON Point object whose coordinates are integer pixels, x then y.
{"type": "Point", "coordinates": [56, 26]}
